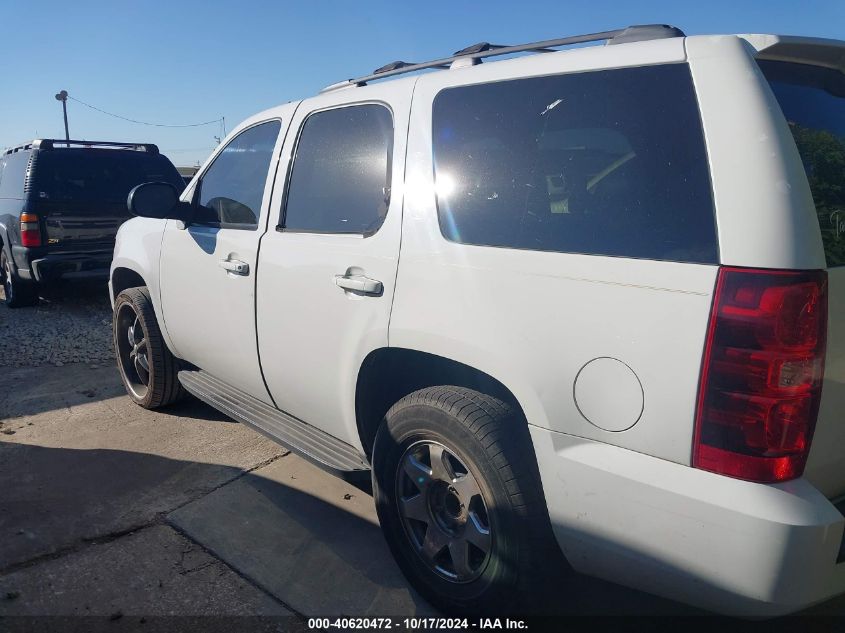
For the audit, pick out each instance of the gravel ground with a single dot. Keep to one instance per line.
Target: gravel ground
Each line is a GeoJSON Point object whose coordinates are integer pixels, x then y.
{"type": "Point", "coordinates": [71, 324]}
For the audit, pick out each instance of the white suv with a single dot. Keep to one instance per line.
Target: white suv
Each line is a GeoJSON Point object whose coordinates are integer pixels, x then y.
{"type": "Point", "coordinates": [582, 298]}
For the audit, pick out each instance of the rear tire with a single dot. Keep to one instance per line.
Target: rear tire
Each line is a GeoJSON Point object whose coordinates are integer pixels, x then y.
{"type": "Point", "coordinates": [148, 369]}
{"type": "Point", "coordinates": [19, 293]}
{"type": "Point", "coordinates": [470, 530]}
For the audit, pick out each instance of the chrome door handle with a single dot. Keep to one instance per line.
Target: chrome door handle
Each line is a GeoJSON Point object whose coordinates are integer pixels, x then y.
{"type": "Point", "coordinates": [234, 266]}
{"type": "Point", "coordinates": [359, 283]}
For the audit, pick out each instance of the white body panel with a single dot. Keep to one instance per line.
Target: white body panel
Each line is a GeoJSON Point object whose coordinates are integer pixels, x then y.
{"type": "Point", "coordinates": [764, 209]}
{"type": "Point", "coordinates": [533, 319]}
{"type": "Point", "coordinates": [138, 248]}
{"type": "Point", "coordinates": [723, 544]}
{"type": "Point", "coordinates": [208, 311]}
{"type": "Point", "coordinates": [313, 335]}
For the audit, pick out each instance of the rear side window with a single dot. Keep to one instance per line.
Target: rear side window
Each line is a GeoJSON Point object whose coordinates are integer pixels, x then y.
{"type": "Point", "coordinates": [340, 181]}
{"type": "Point", "coordinates": [91, 175]}
{"type": "Point", "coordinates": [608, 163]}
{"type": "Point", "coordinates": [813, 101]}
{"type": "Point", "coordinates": [13, 174]}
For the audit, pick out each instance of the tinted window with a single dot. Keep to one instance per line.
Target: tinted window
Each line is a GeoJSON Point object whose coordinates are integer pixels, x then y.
{"type": "Point", "coordinates": [340, 182]}
{"type": "Point", "coordinates": [98, 175]}
{"type": "Point", "coordinates": [609, 163]}
{"type": "Point", "coordinates": [230, 192]}
{"type": "Point", "coordinates": [13, 174]}
{"type": "Point", "coordinates": [813, 100]}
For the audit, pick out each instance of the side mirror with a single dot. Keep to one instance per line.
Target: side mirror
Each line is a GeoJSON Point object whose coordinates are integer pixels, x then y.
{"type": "Point", "coordinates": [159, 200]}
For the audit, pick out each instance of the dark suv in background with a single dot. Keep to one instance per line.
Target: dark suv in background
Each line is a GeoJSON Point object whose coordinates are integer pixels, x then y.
{"type": "Point", "coordinates": [61, 203]}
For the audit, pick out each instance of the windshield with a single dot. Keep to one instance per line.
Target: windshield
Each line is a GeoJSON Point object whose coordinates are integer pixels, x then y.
{"type": "Point", "coordinates": [99, 175]}
{"type": "Point", "coordinates": [813, 101]}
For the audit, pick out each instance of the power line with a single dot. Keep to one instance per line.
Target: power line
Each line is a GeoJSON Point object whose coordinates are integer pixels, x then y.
{"type": "Point", "coordinates": [117, 116]}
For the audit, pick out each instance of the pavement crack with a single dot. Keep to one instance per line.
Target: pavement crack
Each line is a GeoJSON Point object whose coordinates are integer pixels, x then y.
{"type": "Point", "coordinates": [160, 518]}
{"type": "Point", "coordinates": [83, 543]}
{"type": "Point", "coordinates": [244, 576]}
{"type": "Point", "coordinates": [222, 484]}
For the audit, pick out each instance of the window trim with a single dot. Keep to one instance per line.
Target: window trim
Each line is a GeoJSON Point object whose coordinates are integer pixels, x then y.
{"type": "Point", "coordinates": [280, 225]}
{"type": "Point", "coordinates": [200, 177]}
{"type": "Point", "coordinates": [709, 176]}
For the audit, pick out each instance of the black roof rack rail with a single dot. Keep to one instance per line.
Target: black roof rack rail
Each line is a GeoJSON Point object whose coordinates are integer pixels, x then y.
{"type": "Point", "coordinates": [50, 143]}
{"type": "Point", "coordinates": [477, 52]}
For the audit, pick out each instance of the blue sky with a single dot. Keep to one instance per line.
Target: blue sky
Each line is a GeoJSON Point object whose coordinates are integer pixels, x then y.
{"type": "Point", "coordinates": [187, 61]}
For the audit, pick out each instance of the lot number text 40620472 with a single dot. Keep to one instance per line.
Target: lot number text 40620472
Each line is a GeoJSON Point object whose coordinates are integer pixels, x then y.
{"type": "Point", "coordinates": [417, 623]}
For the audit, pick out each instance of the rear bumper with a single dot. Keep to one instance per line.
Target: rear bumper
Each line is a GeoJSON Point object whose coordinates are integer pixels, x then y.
{"type": "Point", "coordinates": [43, 266]}
{"type": "Point", "coordinates": [717, 543]}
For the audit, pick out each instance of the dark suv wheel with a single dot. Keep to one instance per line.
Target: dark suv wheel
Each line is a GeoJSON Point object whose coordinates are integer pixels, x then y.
{"type": "Point", "coordinates": [19, 293]}
{"type": "Point", "coordinates": [148, 369]}
{"type": "Point", "coordinates": [460, 501]}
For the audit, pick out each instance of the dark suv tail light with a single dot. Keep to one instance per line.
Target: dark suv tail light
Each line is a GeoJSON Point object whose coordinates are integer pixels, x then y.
{"type": "Point", "coordinates": [30, 230]}
{"type": "Point", "coordinates": [762, 373]}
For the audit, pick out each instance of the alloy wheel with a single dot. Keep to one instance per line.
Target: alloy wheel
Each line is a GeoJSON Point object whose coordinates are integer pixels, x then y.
{"type": "Point", "coordinates": [132, 350]}
{"type": "Point", "coordinates": [7, 280]}
{"type": "Point", "coordinates": [443, 511]}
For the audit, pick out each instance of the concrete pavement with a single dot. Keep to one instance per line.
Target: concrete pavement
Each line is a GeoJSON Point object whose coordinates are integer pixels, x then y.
{"type": "Point", "coordinates": [306, 537]}
{"type": "Point", "coordinates": [106, 509]}
{"type": "Point", "coordinates": [152, 572]}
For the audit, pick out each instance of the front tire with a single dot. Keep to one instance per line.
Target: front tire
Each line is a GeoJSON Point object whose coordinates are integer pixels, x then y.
{"type": "Point", "coordinates": [19, 293]}
{"type": "Point", "coordinates": [460, 502]}
{"type": "Point", "coordinates": [148, 369]}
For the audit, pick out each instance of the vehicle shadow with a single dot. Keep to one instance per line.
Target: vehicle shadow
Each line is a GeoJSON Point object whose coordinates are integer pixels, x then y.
{"type": "Point", "coordinates": [81, 293]}
{"type": "Point", "coordinates": [285, 527]}
{"type": "Point", "coordinates": [306, 550]}
{"type": "Point", "coordinates": [29, 391]}
{"type": "Point", "coordinates": [93, 293]}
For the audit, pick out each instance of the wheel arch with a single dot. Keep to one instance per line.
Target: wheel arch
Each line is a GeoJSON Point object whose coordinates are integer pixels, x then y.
{"type": "Point", "coordinates": [125, 274]}
{"type": "Point", "coordinates": [388, 374]}
{"type": "Point", "coordinates": [123, 278]}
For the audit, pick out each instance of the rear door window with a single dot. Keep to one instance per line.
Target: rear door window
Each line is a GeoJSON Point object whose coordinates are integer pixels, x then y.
{"type": "Point", "coordinates": [608, 163]}
{"type": "Point", "coordinates": [340, 181]}
{"type": "Point", "coordinates": [813, 101]}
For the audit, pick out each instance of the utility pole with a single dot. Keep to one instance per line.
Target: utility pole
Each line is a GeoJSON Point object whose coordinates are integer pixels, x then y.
{"type": "Point", "coordinates": [62, 96]}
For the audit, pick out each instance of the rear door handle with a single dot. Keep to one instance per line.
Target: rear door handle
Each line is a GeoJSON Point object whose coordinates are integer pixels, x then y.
{"type": "Point", "coordinates": [234, 266]}
{"type": "Point", "coordinates": [359, 283]}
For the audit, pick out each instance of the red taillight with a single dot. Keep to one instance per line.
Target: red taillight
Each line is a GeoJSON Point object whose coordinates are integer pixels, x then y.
{"type": "Point", "coordinates": [761, 378]}
{"type": "Point", "coordinates": [30, 230]}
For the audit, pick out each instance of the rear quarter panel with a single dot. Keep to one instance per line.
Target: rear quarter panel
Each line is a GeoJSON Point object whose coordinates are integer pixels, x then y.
{"type": "Point", "coordinates": [764, 209]}
{"type": "Point", "coordinates": [533, 319]}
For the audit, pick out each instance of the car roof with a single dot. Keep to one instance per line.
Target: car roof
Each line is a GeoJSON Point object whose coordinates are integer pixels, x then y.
{"type": "Point", "coordinates": [399, 74]}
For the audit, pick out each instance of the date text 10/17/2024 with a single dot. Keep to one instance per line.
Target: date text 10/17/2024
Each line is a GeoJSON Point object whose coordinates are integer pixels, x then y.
{"type": "Point", "coordinates": [417, 623]}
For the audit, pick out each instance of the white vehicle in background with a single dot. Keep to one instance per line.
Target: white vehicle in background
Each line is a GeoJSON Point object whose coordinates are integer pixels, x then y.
{"type": "Point", "coordinates": [581, 298]}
